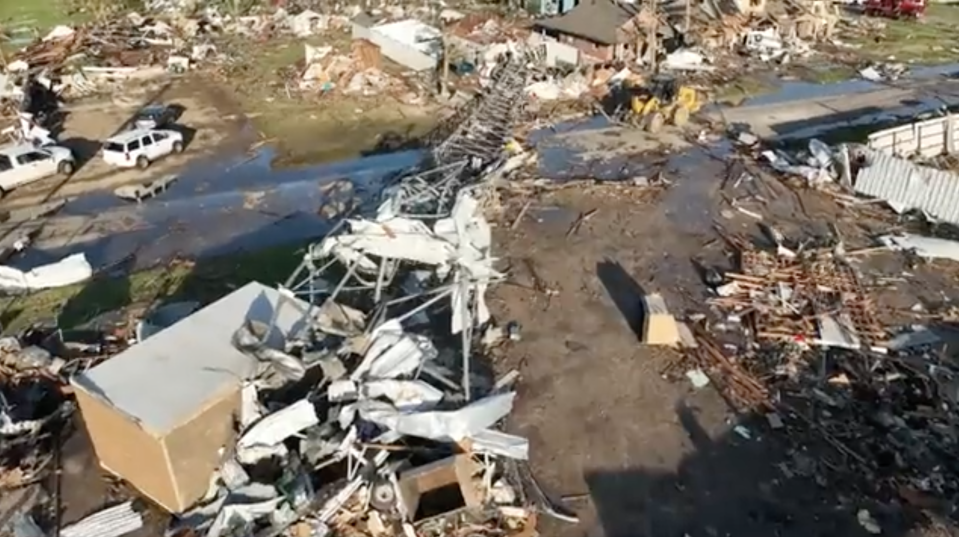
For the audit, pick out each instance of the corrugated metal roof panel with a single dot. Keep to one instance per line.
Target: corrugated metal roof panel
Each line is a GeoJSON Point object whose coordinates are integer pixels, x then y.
{"type": "Point", "coordinates": [910, 186]}
{"type": "Point", "coordinates": [111, 522]}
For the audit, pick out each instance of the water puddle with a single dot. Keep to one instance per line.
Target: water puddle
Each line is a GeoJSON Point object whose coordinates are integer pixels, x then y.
{"type": "Point", "coordinates": [799, 90]}
{"type": "Point", "coordinates": [690, 202]}
{"type": "Point", "coordinates": [215, 207]}
{"type": "Point", "coordinates": [207, 180]}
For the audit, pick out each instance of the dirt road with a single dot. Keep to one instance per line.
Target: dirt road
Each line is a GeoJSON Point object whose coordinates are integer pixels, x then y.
{"type": "Point", "coordinates": [206, 122]}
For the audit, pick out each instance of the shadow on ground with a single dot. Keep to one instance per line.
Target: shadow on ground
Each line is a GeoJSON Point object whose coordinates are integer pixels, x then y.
{"type": "Point", "coordinates": [746, 483]}
{"type": "Point", "coordinates": [625, 293]}
{"type": "Point", "coordinates": [83, 149]}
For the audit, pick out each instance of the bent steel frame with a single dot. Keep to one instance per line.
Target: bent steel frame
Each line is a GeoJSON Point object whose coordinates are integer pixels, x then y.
{"type": "Point", "coordinates": [471, 149]}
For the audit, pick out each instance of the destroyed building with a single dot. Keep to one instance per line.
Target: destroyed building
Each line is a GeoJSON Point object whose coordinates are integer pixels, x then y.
{"type": "Point", "coordinates": [602, 30]}
{"type": "Point", "coordinates": [410, 43]}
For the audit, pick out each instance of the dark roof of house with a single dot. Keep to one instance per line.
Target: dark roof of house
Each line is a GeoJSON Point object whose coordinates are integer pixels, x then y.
{"type": "Point", "coordinates": [595, 20]}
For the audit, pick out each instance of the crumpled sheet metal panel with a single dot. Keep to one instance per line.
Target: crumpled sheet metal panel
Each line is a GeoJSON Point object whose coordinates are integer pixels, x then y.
{"type": "Point", "coordinates": [110, 522]}
{"type": "Point", "coordinates": [908, 186]}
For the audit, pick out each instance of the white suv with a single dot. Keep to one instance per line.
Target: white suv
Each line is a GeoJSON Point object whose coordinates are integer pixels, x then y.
{"type": "Point", "coordinates": [25, 163]}
{"type": "Point", "coordinates": [140, 147]}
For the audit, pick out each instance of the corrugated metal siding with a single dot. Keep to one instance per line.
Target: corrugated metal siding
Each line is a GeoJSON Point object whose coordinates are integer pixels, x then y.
{"type": "Point", "coordinates": [910, 186]}
{"type": "Point", "coordinates": [930, 138]}
{"type": "Point", "coordinates": [115, 521]}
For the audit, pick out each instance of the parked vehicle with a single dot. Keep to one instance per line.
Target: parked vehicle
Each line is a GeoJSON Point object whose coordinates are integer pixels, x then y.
{"type": "Point", "coordinates": [895, 9]}
{"type": "Point", "coordinates": [157, 116]}
{"type": "Point", "coordinates": [25, 163]}
{"type": "Point", "coordinates": [140, 147]}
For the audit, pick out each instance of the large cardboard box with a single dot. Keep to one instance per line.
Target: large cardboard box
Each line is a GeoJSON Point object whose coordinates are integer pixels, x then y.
{"type": "Point", "coordinates": [159, 412]}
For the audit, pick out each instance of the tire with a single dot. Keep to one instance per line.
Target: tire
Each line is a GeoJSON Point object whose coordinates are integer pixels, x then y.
{"type": "Point", "coordinates": [655, 122]}
{"type": "Point", "coordinates": [177, 147]}
{"type": "Point", "coordinates": [142, 162]}
{"type": "Point", "coordinates": [66, 167]}
{"type": "Point", "coordinates": [680, 116]}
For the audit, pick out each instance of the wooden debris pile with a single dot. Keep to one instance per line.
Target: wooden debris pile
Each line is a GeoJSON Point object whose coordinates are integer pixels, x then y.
{"type": "Point", "coordinates": [818, 366]}
{"type": "Point", "coordinates": [811, 298]}
{"type": "Point", "coordinates": [115, 44]}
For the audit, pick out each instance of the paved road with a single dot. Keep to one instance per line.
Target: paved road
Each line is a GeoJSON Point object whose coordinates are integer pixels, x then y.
{"type": "Point", "coordinates": [807, 117]}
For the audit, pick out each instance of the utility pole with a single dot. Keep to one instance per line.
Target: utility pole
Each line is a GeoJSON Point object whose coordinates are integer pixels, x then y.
{"type": "Point", "coordinates": [652, 39]}
{"type": "Point", "coordinates": [445, 73]}
{"type": "Point", "coordinates": [689, 15]}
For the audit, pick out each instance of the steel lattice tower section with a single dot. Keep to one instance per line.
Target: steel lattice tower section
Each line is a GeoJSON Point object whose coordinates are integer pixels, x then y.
{"type": "Point", "coordinates": [489, 125]}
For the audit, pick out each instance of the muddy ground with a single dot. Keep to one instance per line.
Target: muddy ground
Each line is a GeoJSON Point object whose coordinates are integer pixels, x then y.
{"type": "Point", "coordinates": [208, 121]}
{"type": "Point", "coordinates": [634, 453]}
{"type": "Point", "coordinates": [640, 455]}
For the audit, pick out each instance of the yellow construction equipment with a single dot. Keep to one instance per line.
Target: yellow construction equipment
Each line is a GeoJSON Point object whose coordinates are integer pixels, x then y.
{"type": "Point", "coordinates": [663, 100]}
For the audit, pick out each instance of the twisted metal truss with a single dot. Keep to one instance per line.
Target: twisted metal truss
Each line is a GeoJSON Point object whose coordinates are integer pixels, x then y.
{"type": "Point", "coordinates": [472, 147]}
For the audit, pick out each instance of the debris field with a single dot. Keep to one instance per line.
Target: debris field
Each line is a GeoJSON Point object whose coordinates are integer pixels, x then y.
{"type": "Point", "coordinates": [734, 336]}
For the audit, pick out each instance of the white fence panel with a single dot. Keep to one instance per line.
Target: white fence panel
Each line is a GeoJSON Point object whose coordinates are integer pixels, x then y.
{"type": "Point", "coordinates": [928, 138]}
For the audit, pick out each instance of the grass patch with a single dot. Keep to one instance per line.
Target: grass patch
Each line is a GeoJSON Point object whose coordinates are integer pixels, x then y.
{"type": "Point", "coordinates": [204, 281]}
{"type": "Point", "coordinates": [930, 40]}
{"type": "Point", "coordinates": [310, 126]}
{"type": "Point", "coordinates": [35, 14]}
{"type": "Point", "coordinates": [736, 91]}
{"type": "Point", "coordinates": [831, 74]}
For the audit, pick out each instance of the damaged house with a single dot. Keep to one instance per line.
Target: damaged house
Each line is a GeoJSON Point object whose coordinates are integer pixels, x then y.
{"type": "Point", "coordinates": [602, 30]}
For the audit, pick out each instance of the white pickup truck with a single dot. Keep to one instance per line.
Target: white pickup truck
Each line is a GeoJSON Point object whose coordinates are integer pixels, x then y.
{"type": "Point", "coordinates": [25, 163]}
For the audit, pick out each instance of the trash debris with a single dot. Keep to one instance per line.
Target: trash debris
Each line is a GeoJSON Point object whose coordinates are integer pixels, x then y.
{"type": "Point", "coordinates": [698, 378]}
{"type": "Point", "coordinates": [349, 400]}
{"type": "Point", "coordinates": [867, 522]}
{"type": "Point", "coordinates": [68, 271]}
{"type": "Point", "coordinates": [138, 193]}
{"type": "Point", "coordinates": [234, 409]}
{"type": "Point", "coordinates": [112, 522]}
{"type": "Point", "coordinates": [924, 247]}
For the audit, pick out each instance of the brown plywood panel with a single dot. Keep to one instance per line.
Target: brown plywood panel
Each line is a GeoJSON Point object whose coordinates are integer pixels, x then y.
{"type": "Point", "coordinates": [194, 447]}
{"type": "Point", "coordinates": [127, 450]}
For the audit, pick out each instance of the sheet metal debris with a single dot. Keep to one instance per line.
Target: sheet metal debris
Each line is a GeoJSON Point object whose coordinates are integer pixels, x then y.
{"type": "Point", "coordinates": [68, 271]}
{"type": "Point", "coordinates": [339, 392]}
{"type": "Point", "coordinates": [111, 522]}
{"type": "Point", "coordinates": [924, 247]}
{"type": "Point", "coordinates": [905, 185]}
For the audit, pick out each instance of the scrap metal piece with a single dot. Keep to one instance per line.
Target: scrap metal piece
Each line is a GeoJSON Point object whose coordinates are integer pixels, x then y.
{"type": "Point", "coordinates": [246, 341]}
{"type": "Point", "coordinates": [393, 353]}
{"type": "Point", "coordinates": [272, 430]}
{"type": "Point", "coordinates": [448, 425]}
{"type": "Point", "coordinates": [111, 522]}
{"type": "Point", "coordinates": [500, 444]}
{"type": "Point", "coordinates": [904, 185]}
{"type": "Point", "coordinates": [540, 499]}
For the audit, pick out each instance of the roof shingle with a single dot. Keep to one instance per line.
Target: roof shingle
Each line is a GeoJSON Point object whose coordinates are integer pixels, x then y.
{"type": "Point", "coordinates": [595, 20]}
